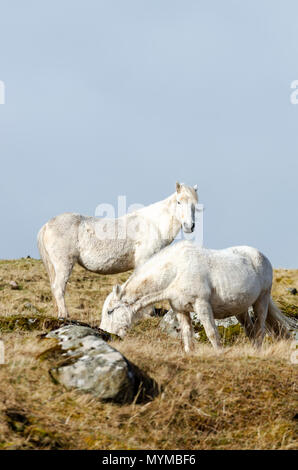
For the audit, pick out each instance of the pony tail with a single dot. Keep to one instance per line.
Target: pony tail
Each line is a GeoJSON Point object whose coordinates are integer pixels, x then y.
{"type": "Point", "coordinates": [278, 324]}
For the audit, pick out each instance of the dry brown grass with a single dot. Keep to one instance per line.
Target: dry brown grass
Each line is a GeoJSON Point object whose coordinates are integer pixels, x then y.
{"type": "Point", "coordinates": [241, 399]}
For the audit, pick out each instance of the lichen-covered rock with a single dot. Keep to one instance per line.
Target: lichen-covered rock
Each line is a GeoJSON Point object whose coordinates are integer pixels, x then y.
{"type": "Point", "coordinates": [170, 325]}
{"type": "Point", "coordinates": [227, 322]}
{"type": "Point", "coordinates": [89, 364]}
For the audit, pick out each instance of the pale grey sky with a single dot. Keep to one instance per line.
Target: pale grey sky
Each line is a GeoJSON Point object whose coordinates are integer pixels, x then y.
{"type": "Point", "coordinates": [105, 98]}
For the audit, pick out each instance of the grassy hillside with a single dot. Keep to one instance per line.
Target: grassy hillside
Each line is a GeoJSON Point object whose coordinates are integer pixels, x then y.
{"type": "Point", "coordinates": [242, 398]}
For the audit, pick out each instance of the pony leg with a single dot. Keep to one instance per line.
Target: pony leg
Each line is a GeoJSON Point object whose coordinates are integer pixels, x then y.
{"type": "Point", "coordinates": [261, 310]}
{"type": "Point", "coordinates": [205, 314]}
{"type": "Point", "coordinates": [59, 259]}
{"type": "Point", "coordinates": [186, 330]}
{"type": "Point", "coordinates": [245, 320]}
{"type": "Point", "coordinates": [63, 271]}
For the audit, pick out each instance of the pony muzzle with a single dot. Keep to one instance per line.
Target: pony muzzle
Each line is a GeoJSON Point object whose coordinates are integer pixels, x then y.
{"type": "Point", "coordinates": [188, 228]}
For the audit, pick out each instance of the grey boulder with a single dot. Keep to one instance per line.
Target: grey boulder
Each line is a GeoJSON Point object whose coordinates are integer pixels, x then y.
{"type": "Point", "coordinates": [89, 364]}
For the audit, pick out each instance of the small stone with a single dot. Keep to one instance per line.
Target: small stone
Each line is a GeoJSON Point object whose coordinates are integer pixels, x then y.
{"type": "Point", "coordinates": [292, 290]}
{"type": "Point", "coordinates": [14, 285]}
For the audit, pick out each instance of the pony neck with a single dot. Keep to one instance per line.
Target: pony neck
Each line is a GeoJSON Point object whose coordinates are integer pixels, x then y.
{"type": "Point", "coordinates": [143, 288]}
{"type": "Point", "coordinates": [163, 214]}
{"type": "Point", "coordinates": [149, 299]}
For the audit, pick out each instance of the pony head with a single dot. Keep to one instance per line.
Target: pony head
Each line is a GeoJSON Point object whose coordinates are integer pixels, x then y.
{"type": "Point", "coordinates": [116, 315]}
{"type": "Point", "coordinates": [187, 199]}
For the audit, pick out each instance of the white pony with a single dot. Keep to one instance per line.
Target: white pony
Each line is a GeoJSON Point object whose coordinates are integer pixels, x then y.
{"type": "Point", "coordinates": [109, 246]}
{"type": "Point", "coordinates": [212, 283]}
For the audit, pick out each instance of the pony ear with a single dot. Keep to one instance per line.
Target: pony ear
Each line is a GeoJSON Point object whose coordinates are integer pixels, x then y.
{"type": "Point", "coordinates": [195, 188]}
{"type": "Point", "coordinates": [117, 291]}
{"type": "Point", "coordinates": [178, 187]}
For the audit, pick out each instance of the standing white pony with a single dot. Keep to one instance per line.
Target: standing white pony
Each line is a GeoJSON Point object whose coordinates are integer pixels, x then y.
{"type": "Point", "coordinates": [109, 246]}
{"type": "Point", "coordinates": [212, 283]}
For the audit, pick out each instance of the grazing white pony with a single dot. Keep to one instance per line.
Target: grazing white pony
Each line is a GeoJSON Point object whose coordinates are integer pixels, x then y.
{"type": "Point", "coordinates": [212, 283]}
{"type": "Point", "coordinates": [109, 246]}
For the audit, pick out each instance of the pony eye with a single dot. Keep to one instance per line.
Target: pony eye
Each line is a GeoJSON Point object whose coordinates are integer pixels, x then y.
{"type": "Point", "coordinates": [178, 202]}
